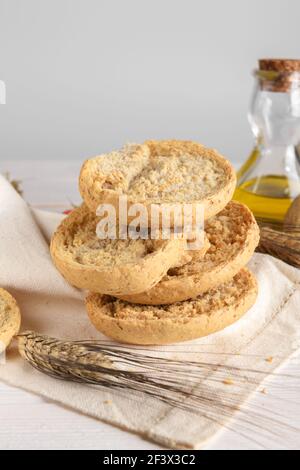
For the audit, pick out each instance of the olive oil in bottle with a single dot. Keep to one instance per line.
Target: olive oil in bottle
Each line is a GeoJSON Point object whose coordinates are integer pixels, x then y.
{"type": "Point", "coordinates": [268, 196]}
{"type": "Point", "coordinates": [269, 180]}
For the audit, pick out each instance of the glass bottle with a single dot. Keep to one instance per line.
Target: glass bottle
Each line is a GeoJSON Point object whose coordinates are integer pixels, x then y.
{"type": "Point", "coordinates": [269, 180]}
{"type": "Point", "coordinates": [2, 92]}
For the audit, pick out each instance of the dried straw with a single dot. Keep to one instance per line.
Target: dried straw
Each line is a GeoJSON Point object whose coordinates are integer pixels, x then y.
{"type": "Point", "coordinates": [183, 384]}
{"type": "Point", "coordinates": [280, 241]}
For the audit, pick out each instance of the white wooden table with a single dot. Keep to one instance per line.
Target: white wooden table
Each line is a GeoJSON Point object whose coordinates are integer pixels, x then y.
{"type": "Point", "coordinates": [30, 422]}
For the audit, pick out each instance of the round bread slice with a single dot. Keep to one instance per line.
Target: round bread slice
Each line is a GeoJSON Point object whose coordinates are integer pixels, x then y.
{"type": "Point", "coordinates": [112, 266]}
{"type": "Point", "coordinates": [10, 318]}
{"type": "Point", "coordinates": [159, 173]}
{"type": "Point", "coordinates": [182, 321]}
{"type": "Point", "coordinates": [233, 235]}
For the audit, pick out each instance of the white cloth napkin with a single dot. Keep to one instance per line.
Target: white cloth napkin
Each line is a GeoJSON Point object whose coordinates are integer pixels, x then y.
{"type": "Point", "coordinates": [49, 305]}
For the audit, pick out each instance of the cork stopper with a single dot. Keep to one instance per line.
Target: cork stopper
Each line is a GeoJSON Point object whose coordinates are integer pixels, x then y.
{"type": "Point", "coordinates": [279, 75]}
{"type": "Point", "coordinates": [280, 65]}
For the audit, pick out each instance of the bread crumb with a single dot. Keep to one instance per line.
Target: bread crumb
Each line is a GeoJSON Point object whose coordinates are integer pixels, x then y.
{"type": "Point", "coordinates": [228, 382]}
{"type": "Point", "coordinates": [269, 359]}
{"type": "Point", "coordinates": [107, 402]}
{"type": "Point", "coordinates": [263, 391]}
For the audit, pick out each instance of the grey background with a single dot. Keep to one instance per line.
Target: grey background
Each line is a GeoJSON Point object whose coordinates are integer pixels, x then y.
{"type": "Point", "coordinates": [85, 76]}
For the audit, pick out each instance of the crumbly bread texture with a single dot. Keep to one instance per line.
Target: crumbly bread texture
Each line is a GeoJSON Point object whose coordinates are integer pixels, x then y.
{"type": "Point", "coordinates": [233, 235]}
{"type": "Point", "coordinates": [182, 321]}
{"type": "Point", "coordinates": [10, 318]}
{"type": "Point", "coordinates": [159, 172]}
{"type": "Point", "coordinates": [115, 267]}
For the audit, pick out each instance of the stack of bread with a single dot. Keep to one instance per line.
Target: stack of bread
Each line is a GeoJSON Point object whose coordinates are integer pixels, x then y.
{"type": "Point", "coordinates": [10, 318]}
{"type": "Point", "coordinates": [158, 291]}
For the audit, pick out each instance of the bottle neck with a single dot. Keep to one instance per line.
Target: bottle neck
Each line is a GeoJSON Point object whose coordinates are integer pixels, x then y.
{"type": "Point", "coordinates": [275, 121]}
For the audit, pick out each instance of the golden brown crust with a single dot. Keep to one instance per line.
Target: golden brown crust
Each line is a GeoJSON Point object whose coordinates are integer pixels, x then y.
{"type": "Point", "coordinates": [10, 317]}
{"type": "Point", "coordinates": [233, 236]}
{"type": "Point", "coordinates": [104, 185]}
{"type": "Point", "coordinates": [101, 183]}
{"type": "Point", "coordinates": [182, 321]}
{"type": "Point", "coordinates": [116, 267]}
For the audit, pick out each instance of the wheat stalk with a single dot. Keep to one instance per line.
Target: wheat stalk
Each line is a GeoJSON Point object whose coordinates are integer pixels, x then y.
{"type": "Point", "coordinates": [280, 241]}
{"type": "Point", "coordinates": [183, 384]}
{"type": "Point", "coordinates": [16, 184]}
